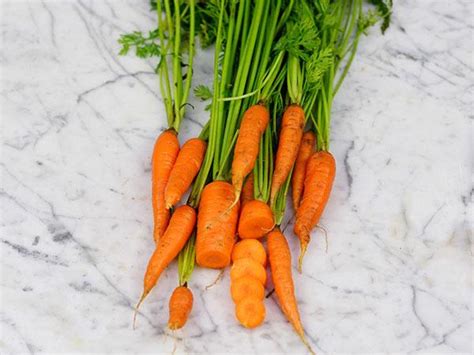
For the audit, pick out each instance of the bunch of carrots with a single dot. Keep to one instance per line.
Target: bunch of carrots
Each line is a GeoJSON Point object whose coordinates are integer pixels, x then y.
{"type": "Point", "coordinates": [277, 68]}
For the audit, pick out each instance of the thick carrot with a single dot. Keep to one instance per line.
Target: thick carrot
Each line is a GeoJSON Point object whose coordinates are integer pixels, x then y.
{"type": "Point", "coordinates": [250, 312]}
{"type": "Point", "coordinates": [307, 145]}
{"type": "Point", "coordinates": [250, 248]}
{"type": "Point", "coordinates": [216, 229]}
{"type": "Point", "coordinates": [320, 173]}
{"type": "Point", "coordinates": [177, 234]}
{"type": "Point", "coordinates": [289, 141]}
{"type": "Point", "coordinates": [164, 156]}
{"type": "Point", "coordinates": [245, 287]}
{"type": "Point", "coordinates": [184, 171]}
{"type": "Point", "coordinates": [280, 264]}
{"type": "Point", "coordinates": [256, 220]}
{"type": "Point", "coordinates": [250, 267]}
{"type": "Point", "coordinates": [180, 305]}
{"type": "Point", "coordinates": [247, 192]}
{"type": "Point", "coordinates": [254, 123]}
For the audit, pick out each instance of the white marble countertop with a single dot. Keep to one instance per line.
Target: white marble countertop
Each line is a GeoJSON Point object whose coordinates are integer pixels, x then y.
{"type": "Point", "coordinates": [78, 126]}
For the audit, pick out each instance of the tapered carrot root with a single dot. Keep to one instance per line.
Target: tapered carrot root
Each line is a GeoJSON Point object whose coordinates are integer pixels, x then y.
{"type": "Point", "coordinates": [320, 173]}
{"type": "Point", "coordinates": [254, 123]}
{"type": "Point", "coordinates": [307, 145]}
{"type": "Point", "coordinates": [216, 229]}
{"type": "Point", "coordinates": [280, 264]}
{"type": "Point", "coordinates": [256, 220]}
{"type": "Point", "coordinates": [180, 306]}
{"type": "Point", "coordinates": [164, 156]}
{"type": "Point", "coordinates": [184, 171]}
{"type": "Point", "coordinates": [290, 138]}
{"type": "Point", "coordinates": [247, 192]}
{"type": "Point", "coordinates": [250, 248]}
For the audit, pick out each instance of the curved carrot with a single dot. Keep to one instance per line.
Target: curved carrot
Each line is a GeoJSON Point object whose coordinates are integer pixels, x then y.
{"type": "Point", "coordinates": [184, 171]}
{"type": "Point", "coordinates": [307, 145]}
{"type": "Point", "coordinates": [320, 173]}
{"type": "Point", "coordinates": [247, 191]}
{"type": "Point", "coordinates": [280, 264]}
{"type": "Point", "coordinates": [250, 312]}
{"type": "Point", "coordinates": [180, 305]}
{"type": "Point", "coordinates": [250, 267]}
{"type": "Point", "coordinates": [254, 123]}
{"type": "Point", "coordinates": [216, 235]}
{"type": "Point", "coordinates": [246, 286]}
{"type": "Point", "coordinates": [164, 156]}
{"type": "Point", "coordinates": [256, 220]}
{"type": "Point", "coordinates": [170, 244]}
{"type": "Point", "coordinates": [250, 248]}
{"type": "Point", "coordinates": [289, 141]}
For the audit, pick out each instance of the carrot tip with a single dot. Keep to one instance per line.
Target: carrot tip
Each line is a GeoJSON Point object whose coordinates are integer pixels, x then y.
{"type": "Point", "coordinates": [305, 342]}
{"type": "Point", "coordinates": [142, 297]}
{"type": "Point", "coordinates": [300, 259]}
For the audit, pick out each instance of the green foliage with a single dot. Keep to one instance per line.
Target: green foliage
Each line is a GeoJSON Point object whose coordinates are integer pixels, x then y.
{"type": "Point", "coordinates": [203, 92]}
{"type": "Point", "coordinates": [145, 46]}
{"type": "Point", "coordinates": [384, 7]}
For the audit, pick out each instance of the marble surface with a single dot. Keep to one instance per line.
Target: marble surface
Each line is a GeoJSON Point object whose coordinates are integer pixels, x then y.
{"type": "Point", "coordinates": [78, 126]}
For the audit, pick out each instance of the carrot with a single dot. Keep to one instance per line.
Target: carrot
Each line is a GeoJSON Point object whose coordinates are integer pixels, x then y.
{"type": "Point", "coordinates": [245, 287]}
{"type": "Point", "coordinates": [280, 265]}
{"type": "Point", "coordinates": [250, 312]}
{"type": "Point", "coordinates": [289, 141]}
{"type": "Point", "coordinates": [256, 220]}
{"type": "Point", "coordinates": [216, 235]}
{"type": "Point", "coordinates": [164, 156]}
{"type": "Point", "coordinates": [180, 305]}
{"type": "Point", "coordinates": [249, 248]}
{"type": "Point", "coordinates": [184, 171]}
{"type": "Point", "coordinates": [320, 173]}
{"type": "Point", "coordinates": [178, 232]}
{"type": "Point", "coordinates": [247, 191]}
{"type": "Point", "coordinates": [307, 145]}
{"type": "Point", "coordinates": [250, 267]}
{"type": "Point", "coordinates": [254, 123]}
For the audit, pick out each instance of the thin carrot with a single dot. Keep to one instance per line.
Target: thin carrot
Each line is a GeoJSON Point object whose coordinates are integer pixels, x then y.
{"type": "Point", "coordinates": [216, 235]}
{"type": "Point", "coordinates": [184, 171]}
{"type": "Point", "coordinates": [289, 141]}
{"type": "Point", "coordinates": [246, 286]}
{"type": "Point", "coordinates": [280, 264]}
{"type": "Point", "coordinates": [256, 220]}
{"type": "Point", "coordinates": [250, 248]}
{"type": "Point", "coordinates": [250, 312]}
{"type": "Point", "coordinates": [247, 192]}
{"type": "Point", "coordinates": [307, 145]}
{"type": "Point", "coordinates": [180, 305]}
{"type": "Point", "coordinates": [164, 156]}
{"type": "Point", "coordinates": [250, 267]}
{"type": "Point", "coordinates": [178, 232]}
{"type": "Point", "coordinates": [320, 173]}
{"type": "Point", "coordinates": [254, 123]}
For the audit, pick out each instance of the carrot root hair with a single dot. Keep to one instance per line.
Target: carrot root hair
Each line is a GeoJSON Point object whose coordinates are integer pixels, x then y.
{"type": "Point", "coordinates": [218, 278]}
{"type": "Point", "coordinates": [140, 301]}
{"type": "Point", "coordinates": [303, 248]}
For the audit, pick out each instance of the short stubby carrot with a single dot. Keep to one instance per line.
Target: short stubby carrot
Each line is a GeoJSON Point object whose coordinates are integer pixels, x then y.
{"type": "Point", "coordinates": [184, 171]}
{"type": "Point", "coordinates": [180, 306]}
{"type": "Point", "coordinates": [246, 286]}
{"type": "Point", "coordinates": [254, 123]}
{"type": "Point", "coordinates": [280, 265]}
{"type": "Point", "coordinates": [250, 312]}
{"type": "Point", "coordinates": [256, 220]}
{"type": "Point", "coordinates": [179, 230]}
{"type": "Point", "coordinates": [247, 191]}
{"type": "Point", "coordinates": [250, 267]}
{"type": "Point", "coordinates": [215, 229]}
{"type": "Point", "coordinates": [250, 248]}
{"type": "Point", "coordinates": [320, 173]}
{"type": "Point", "coordinates": [292, 126]}
{"type": "Point", "coordinates": [164, 156]}
{"type": "Point", "coordinates": [307, 145]}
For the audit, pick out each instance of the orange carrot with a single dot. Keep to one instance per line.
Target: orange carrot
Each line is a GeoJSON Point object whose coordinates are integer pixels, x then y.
{"type": "Point", "coordinates": [180, 305]}
{"type": "Point", "coordinates": [245, 287]}
{"type": "Point", "coordinates": [289, 141]}
{"type": "Point", "coordinates": [216, 235]}
{"type": "Point", "coordinates": [320, 173]}
{"type": "Point", "coordinates": [246, 149]}
{"type": "Point", "coordinates": [184, 171]}
{"type": "Point", "coordinates": [250, 312]}
{"type": "Point", "coordinates": [250, 267]}
{"type": "Point", "coordinates": [256, 220]}
{"type": "Point", "coordinates": [307, 145]}
{"type": "Point", "coordinates": [170, 244]}
{"type": "Point", "coordinates": [249, 248]}
{"type": "Point", "coordinates": [247, 191]}
{"type": "Point", "coordinates": [164, 156]}
{"type": "Point", "coordinates": [280, 264]}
